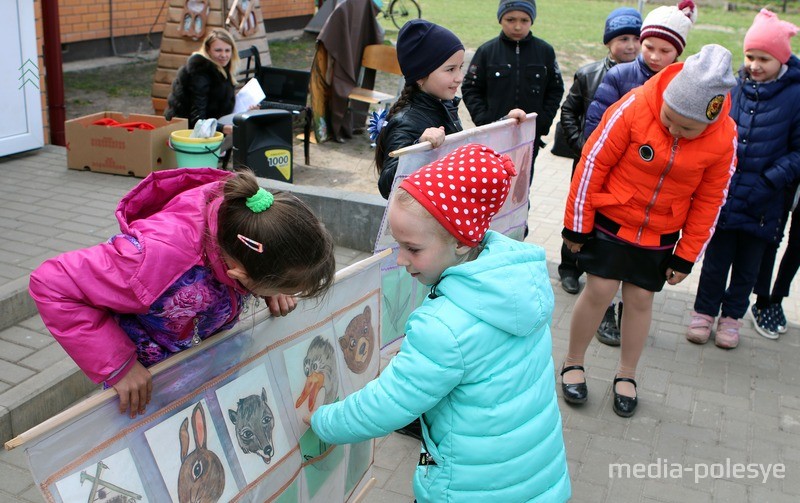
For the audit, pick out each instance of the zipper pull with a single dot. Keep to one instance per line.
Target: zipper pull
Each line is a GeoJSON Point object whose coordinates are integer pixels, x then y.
{"type": "Point", "coordinates": [517, 49]}
{"type": "Point", "coordinates": [196, 336]}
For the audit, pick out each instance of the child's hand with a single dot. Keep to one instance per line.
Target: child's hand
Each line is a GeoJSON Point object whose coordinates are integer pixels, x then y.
{"type": "Point", "coordinates": [135, 390]}
{"type": "Point", "coordinates": [518, 114]}
{"type": "Point", "coordinates": [280, 305]}
{"type": "Point", "coordinates": [435, 135]}
{"type": "Point", "coordinates": [674, 277]}
{"type": "Point", "coordinates": [227, 129]}
{"type": "Point", "coordinates": [573, 247]}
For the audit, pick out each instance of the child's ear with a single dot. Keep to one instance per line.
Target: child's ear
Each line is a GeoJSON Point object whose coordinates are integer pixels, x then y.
{"type": "Point", "coordinates": [462, 249]}
{"type": "Point", "coordinates": [238, 273]}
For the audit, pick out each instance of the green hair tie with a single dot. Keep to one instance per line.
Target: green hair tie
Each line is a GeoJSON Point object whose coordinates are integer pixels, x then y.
{"type": "Point", "coordinates": [260, 201]}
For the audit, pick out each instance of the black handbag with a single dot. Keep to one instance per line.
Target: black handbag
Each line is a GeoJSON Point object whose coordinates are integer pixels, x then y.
{"type": "Point", "coordinates": [560, 146]}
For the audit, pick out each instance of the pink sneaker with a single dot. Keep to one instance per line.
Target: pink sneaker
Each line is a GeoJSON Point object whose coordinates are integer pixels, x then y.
{"type": "Point", "coordinates": [699, 328]}
{"type": "Point", "coordinates": [727, 336]}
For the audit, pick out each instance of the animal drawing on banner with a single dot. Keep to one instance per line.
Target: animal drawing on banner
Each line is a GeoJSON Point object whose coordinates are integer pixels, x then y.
{"type": "Point", "coordinates": [254, 422]}
{"type": "Point", "coordinates": [319, 366]}
{"type": "Point", "coordinates": [201, 478]}
{"type": "Point", "coordinates": [358, 342]}
{"type": "Point", "coordinates": [521, 188]}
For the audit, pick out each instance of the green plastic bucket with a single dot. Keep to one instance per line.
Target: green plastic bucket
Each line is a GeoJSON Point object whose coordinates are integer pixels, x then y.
{"type": "Point", "coordinates": [195, 152]}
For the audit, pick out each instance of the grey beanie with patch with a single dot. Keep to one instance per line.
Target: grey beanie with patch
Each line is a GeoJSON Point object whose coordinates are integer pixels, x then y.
{"type": "Point", "coordinates": [698, 91]}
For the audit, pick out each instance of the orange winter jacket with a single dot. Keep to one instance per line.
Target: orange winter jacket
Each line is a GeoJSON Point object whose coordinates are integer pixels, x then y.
{"type": "Point", "coordinates": [638, 182]}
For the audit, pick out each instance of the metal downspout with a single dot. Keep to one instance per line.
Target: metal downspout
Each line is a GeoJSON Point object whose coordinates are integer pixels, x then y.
{"type": "Point", "coordinates": [56, 108]}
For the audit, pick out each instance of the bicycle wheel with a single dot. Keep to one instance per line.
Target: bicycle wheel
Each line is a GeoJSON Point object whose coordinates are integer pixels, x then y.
{"type": "Point", "coordinates": [402, 10]}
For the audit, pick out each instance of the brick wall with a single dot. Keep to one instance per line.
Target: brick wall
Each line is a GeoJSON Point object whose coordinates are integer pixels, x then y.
{"type": "Point", "coordinates": [90, 19]}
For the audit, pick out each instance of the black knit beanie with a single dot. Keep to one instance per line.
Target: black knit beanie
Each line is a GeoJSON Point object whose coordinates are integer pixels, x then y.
{"type": "Point", "coordinates": [422, 47]}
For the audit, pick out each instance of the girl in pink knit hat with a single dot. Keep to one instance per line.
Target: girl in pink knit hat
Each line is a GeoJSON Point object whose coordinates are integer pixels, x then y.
{"type": "Point", "coordinates": [766, 109]}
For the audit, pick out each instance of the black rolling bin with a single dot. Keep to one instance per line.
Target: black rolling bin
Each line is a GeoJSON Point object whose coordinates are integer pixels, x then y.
{"type": "Point", "coordinates": [262, 141]}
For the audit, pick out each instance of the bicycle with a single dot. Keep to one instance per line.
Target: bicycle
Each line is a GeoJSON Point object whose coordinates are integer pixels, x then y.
{"type": "Point", "coordinates": [399, 11]}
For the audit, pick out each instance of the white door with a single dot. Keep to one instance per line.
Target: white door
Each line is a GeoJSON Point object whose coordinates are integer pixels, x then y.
{"type": "Point", "coordinates": [21, 102]}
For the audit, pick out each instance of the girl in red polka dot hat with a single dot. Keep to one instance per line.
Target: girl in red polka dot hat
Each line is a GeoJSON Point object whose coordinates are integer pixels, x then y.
{"type": "Point", "coordinates": [475, 366]}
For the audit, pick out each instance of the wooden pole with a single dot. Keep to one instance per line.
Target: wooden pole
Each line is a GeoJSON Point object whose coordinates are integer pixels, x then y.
{"type": "Point", "coordinates": [364, 490]}
{"type": "Point", "coordinates": [426, 145]}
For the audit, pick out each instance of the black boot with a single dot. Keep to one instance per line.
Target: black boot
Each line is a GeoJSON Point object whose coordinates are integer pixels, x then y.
{"type": "Point", "coordinates": [608, 331]}
{"type": "Point", "coordinates": [577, 393]}
{"type": "Point", "coordinates": [624, 406]}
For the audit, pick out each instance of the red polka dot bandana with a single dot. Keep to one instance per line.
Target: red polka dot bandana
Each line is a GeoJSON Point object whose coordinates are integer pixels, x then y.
{"type": "Point", "coordinates": [463, 190]}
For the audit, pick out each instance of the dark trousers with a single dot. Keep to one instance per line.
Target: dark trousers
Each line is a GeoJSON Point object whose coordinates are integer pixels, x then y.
{"type": "Point", "coordinates": [737, 252]}
{"type": "Point", "coordinates": [788, 268]}
{"type": "Point", "coordinates": [569, 261]}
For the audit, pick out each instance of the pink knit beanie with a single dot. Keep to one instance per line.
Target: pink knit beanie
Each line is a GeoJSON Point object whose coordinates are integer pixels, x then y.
{"type": "Point", "coordinates": [771, 35]}
{"type": "Point", "coordinates": [670, 23]}
{"type": "Point", "coordinates": [463, 190]}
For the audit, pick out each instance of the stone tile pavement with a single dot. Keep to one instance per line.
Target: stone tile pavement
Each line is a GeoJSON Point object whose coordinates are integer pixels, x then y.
{"type": "Point", "coordinates": [702, 409]}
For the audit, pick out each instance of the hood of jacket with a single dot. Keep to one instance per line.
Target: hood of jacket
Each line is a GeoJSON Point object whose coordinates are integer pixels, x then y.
{"type": "Point", "coordinates": [507, 286]}
{"type": "Point", "coordinates": [171, 213]}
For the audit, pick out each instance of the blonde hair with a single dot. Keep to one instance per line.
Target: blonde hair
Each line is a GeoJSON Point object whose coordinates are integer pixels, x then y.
{"type": "Point", "coordinates": [224, 36]}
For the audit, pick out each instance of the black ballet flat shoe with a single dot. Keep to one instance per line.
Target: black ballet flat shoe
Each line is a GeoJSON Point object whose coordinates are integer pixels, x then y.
{"type": "Point", "coordinates": [577, 393]}
{"type": "Point", "coordinates": [624, 406]}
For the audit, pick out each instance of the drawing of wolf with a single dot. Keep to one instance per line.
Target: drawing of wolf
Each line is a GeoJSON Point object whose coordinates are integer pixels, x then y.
{"type": "Point", "coordinates": [254, 422]}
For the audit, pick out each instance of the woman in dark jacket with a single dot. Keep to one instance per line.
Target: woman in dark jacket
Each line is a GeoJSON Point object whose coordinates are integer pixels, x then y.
{"type": "Point", "coordinates": [205, 86]}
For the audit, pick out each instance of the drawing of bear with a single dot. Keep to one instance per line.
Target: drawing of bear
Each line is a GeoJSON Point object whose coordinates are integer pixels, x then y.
{"type": "Point", "coordinates": [319, 366]}
{"type": "Point", "coordinates": [201, 478]}
{"type": "Point", "coordinates": [358, 342]}
{"type": "Point", "coordinates": [254, 422]}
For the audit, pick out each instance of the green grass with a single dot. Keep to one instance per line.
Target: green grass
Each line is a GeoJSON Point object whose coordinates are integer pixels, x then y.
{"type": "Point", "coordinates": [575, 27]}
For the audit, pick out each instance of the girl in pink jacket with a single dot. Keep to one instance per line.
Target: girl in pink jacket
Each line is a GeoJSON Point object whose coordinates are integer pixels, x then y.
{"type": "Point", "coordinates": [194, 244]}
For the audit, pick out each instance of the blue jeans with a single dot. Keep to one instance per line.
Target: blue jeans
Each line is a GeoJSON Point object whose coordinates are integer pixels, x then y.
{"type": "Point", "coordinates": [737, 252]}
{"type": "Point", "coordinates": [789, 264]}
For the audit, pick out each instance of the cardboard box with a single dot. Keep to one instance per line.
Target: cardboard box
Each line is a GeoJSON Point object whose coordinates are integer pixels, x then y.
{"type": "Point", "coordinates": [116, 150]}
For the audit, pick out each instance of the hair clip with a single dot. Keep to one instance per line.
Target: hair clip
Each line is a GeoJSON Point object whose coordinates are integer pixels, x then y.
{"type": "Point", "coordinates": [376, 123]}
{"type": "Point", "coordinates": [251, 243]}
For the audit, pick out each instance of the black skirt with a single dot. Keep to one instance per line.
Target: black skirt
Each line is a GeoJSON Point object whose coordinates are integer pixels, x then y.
{"type": "Point", "coordinates": [608, 257]}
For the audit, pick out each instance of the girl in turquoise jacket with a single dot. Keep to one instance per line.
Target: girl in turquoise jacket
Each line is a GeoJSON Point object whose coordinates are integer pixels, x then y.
{"type": "Point", "coordinates": [476, 361]}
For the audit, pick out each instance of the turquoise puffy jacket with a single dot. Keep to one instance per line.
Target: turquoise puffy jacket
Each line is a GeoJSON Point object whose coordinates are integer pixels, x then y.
{"type": "Point", "coordinates": [476, 364]}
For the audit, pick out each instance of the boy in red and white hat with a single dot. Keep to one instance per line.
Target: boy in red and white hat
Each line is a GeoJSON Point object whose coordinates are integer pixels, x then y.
{"type": "Point", "coordinates": [476, 364]}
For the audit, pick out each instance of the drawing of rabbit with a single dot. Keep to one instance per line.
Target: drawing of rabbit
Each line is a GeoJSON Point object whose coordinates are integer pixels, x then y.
{"type": "Point", "coordinates": [201, 478]}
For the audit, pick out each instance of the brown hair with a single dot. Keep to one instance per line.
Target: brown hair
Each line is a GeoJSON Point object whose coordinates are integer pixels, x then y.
{"type": "Point", "coordinates": [298, 250]}
{"type": "Point", "coordinates": [225, 36]}
{"type": "Point", "coordinates": [402, 101]}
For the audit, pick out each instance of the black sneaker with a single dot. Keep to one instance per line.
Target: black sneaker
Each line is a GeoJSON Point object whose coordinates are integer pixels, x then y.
{"type": "Point", "coordinates": [608, 331]}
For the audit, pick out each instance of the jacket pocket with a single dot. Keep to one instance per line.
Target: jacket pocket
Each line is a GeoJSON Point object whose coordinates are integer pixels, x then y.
{"type": "Point", "coordinates": [498, 71]}
{"type": "Point", "coordinates": [536, 76]}
{"type": "Point", "coordinates": [680, 208]}
{"type": "Point", "coordinates": [619, 196]}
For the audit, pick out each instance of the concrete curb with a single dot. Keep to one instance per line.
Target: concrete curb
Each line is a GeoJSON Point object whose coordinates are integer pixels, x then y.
{"type": "Point", "coordinates": [15, 303]}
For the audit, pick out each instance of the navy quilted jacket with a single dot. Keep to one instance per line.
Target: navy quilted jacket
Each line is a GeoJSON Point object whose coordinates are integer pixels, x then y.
{"type": "Point", "coordinates": [761, 189]}
{"type": "Point", "coordinates": [616, 84]}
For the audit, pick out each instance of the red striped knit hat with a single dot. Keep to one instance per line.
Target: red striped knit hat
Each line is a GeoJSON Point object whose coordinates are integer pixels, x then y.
{"type": "Point", "coordinates": [463, 190]}
{"type": "Point", "coordinates": [670, 23]}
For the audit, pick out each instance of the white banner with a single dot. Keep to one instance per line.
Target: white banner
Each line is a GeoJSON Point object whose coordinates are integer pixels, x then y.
{"type": "Point", "coordinates": [226, 419]}
{"type": "Point", "coordinates": [402, 293]}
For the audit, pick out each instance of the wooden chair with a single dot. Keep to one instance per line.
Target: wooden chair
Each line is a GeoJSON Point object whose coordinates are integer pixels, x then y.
{"type": "Point", "coordinates": [378, 58]}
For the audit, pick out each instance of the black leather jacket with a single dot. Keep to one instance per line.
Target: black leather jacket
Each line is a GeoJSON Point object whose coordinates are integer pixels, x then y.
{"type": "Point", "coordinates": [406, 126]}
{"type": "Point", "coordinates": [580, 96]}
{"type": "Point", "coordinates": [505, 74]}
{"type": "Point", "coordinates": [200, 91]}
